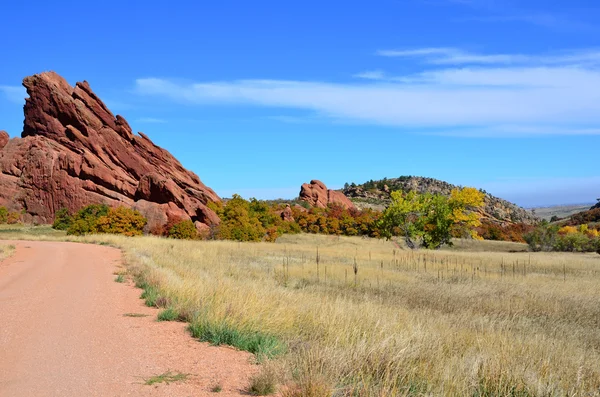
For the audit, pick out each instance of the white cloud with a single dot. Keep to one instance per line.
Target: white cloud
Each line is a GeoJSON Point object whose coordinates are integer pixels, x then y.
{"type": "Point", "coordinates": [150, 120]}
{"type": "Point", "coordinates": [15, 94]}
{"type": "Point", "coordinates": [371, 75]}
{"type": "Point", "coordinates": [455, 56]}
{"type": "Point", "coordinates": [556, 97]}
{"type": "Point", "coordinates": [292, 119]}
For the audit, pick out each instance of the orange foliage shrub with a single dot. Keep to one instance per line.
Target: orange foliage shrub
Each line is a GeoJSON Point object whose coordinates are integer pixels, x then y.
{"type": "Point", "coordinates": [337, 220]}
{"type": "Point", "coordinates": [121, 220]}
{"type": "Point", "coordinates": [513, 232]}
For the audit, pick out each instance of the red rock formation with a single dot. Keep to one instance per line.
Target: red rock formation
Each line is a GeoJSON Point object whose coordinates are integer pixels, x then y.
{"type": "Point", "coordinates": [4, 138]}
{"type": "Point", "coordinates": [75, 152]}
{"type": "Point", "coordinates": [317, 195]}
{"type": "Point", "coordinates": [287, 214]}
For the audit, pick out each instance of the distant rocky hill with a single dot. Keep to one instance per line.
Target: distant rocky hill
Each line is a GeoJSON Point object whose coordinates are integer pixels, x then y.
{"type": "Point", "coordinates": [590, 216]}
{"type": "Point", "coordinates": [376, 195]}
{"type": "Point", "coordinates": [560, 211]}
{"type": "Point", "coordinates": [73, 152]}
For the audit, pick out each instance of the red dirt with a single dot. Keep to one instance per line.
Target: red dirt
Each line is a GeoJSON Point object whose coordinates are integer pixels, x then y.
{"type": "Point", "coordinates": [63, 332]}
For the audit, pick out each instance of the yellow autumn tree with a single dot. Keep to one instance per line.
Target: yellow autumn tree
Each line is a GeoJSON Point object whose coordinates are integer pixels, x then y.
{"type": "Point", "coordinates": [430, 220]}
{"type": "Point", "coordinates": [465, 204]}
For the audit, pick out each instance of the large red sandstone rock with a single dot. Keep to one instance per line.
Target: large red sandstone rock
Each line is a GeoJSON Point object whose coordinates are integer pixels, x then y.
{"type": "Point", "coordinates": [317, 195]}
{"type": "Point", "coordinates": [74, 152]}
{"type": "Point", "coordinates": [4, 138]}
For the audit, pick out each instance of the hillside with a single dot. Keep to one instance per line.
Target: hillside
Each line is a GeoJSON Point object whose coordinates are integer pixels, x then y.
{"type": "Point", "coordinates": [588, 216]}
{"type": "Point", "coordinates": [560, 211]}
{"type": "Point", "coordinates": [376, 195]}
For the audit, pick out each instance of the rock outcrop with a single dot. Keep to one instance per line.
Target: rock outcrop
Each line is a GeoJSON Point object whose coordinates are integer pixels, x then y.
{"type": "Point", "coordinates": [74, 152]}
{"type": "Point", "coordinates": [317, 195]}
{"type": "Point", "coordinates": [4, 138]}
{"type": "Point", "coordinates": [287, 215]}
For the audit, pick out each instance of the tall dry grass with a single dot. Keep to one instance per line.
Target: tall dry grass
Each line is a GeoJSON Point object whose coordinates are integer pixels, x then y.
{"type": "Point", "coordinates": [6, 250]}
{"type": "Point", "coordinates": [374, 319]}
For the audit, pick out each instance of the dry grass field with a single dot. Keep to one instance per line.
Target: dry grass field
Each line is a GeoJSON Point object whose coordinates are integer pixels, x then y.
{"type": "Point", "coordinates": [362, 317]}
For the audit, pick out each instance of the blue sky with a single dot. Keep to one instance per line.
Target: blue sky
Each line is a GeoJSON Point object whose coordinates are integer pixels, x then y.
{"type": "Point", "coordinates": [259, 97]}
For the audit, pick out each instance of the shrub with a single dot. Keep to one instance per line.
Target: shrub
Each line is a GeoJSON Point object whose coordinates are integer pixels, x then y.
{"type": "Point", "coordinates": [239, 223]}
{"type": "Point", "coordinates": [543, 238]}
{"type": "Point", "coordinates": [13, 217]}
{"type": "Point", "coordinates": [79, 227]}
{"type": "Point", "coordinates": [511, 232]}
{"type": "Point", "coordinates": [548, 237]}
{"type": "Point", "coordinates": [3, 215]}
{"type": "Point", "coordinates": [62, 219]}
{"type": "Point", "coordinates": [264, 383]}
{"type": "Point", "coordinates": [121, 220]}
{"type": "Point", "coordinates": [99, 218]}
{"type": "Point", "coordinates": [184, 230]}
{"type": "Point", "coordinates": [84, 221]}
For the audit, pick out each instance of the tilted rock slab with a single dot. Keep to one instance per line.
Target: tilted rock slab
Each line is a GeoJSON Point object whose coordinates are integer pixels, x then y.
{"type": "Point", "coordinates": [74, 152]}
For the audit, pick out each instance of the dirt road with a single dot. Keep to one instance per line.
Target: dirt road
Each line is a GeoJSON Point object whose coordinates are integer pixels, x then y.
{"type": "Point", "coordinates": [63, 332]}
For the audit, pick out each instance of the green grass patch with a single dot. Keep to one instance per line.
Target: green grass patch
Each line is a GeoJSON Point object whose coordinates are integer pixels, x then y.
{"type": "Point", "coordinates": [150, 295]}
{"type": "Point", "coordinates": [120, 278]}
{"type": "Point", "coordinates": [43, 230]}
{"type": "Point", "coordinates": [169, 314]}
{"type": "Point", "coordinates": [258, 343]}
{"type": "Point", "coordinates": [167, 377]}
{"type": "Point", "coordinates": [216, 389]}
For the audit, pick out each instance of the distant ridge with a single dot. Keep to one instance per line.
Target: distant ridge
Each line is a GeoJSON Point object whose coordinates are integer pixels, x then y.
{"type": "Point", "coordinates": [376, 195]}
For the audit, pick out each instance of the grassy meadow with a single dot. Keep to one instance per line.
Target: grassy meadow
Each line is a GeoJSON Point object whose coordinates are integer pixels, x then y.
{"type": "Point", "coordinates": [362, 317]}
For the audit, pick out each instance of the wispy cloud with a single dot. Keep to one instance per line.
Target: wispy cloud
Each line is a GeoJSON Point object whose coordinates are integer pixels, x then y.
{"type": "Point", "coordinates": [455, 56]}
{"type": "Point", "coordinates": [292, 119]}
{"type": "Point", "coordinates": [15, 94]}
{"type": "Point", "coordinates": [551, 21]}
{"type": "Point", "coordinates": [371, 75]}
{"type": "Point", "coordinates": [504, 11]}
{"type": "Point", "coordinates": [150, 120]}
{"type": "Point", "coordinates": [559, 98]}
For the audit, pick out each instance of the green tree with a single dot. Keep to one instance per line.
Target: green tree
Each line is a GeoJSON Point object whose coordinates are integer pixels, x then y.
{"type": "Point", "coordinates": [62, 219]}
{"type": "Point", "coordinates": [543, 237]}
{"type": "Point", "coordinates": [430, 220]}
{"type": "Point", "coordinates": [84, 221]}
{"type": "Point", "coordinates": [237, 224]}
{"type": "Point", "coordinates": [404, 217]}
